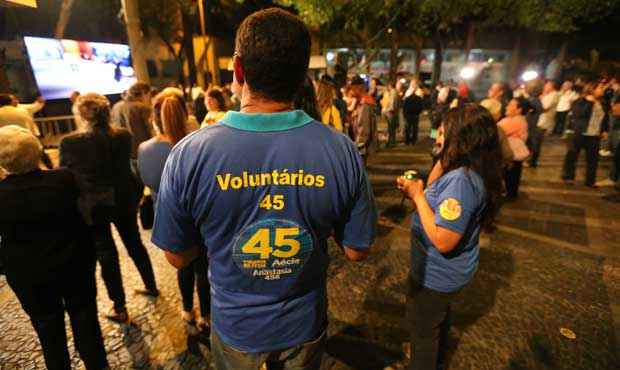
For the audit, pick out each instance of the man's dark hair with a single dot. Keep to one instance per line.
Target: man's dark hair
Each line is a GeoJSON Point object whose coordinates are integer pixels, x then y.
{"type": "Point", "coordinates": [138, 90]}
{"type": "Point", "coordinates": [219, 97]}
{"type": "Point", "coordinates": [522, 104]}
{"type": "Point", "coordinates": [273, 46]}
{"type": "Point", "coordinates": [357, 80]}
{"type": "Point", "coordinates": [5, 99]}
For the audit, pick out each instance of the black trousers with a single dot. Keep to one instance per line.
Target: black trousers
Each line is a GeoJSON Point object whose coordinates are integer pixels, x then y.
{"type": "Point", "coordinates": [536, 145]}
{"type": "Point", "coordinates": [411, 130]}
{"type": "Point", "coordinates": [560, 122]}
{"type": "Point", "coordinates": [591, 145]}
{"type": "Point", "coordinates": [512, 179]}
{"type": "Point", "coordinates": [429, 313]}
{"type": "Point", "coordinates": [126, 223]}
{"type": "Point", "coordinates": [73, 290]}
{"type": "Point", "coordinates": [195, 274]}
{"type": "Point", "coordinates": [392, 121]}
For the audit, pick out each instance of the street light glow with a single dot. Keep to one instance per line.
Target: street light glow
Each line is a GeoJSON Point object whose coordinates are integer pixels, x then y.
{"type": "Point", "coordinates": [467, 73]}
{"type": "Point", "coordinates": [529, 75]}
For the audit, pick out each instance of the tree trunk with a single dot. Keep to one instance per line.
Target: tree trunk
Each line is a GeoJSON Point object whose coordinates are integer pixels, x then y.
{"type": "Point", "coordinates": [5, 85]}
{"type": "Point", "coordinates": [134, 34]}
{"type": "Point", "coordinates": [515, 57]}
{"type": "Point", "coordinates": [419, 42]}
{"type": "Point", "coordinates": [562, 55]}
{"type": "Point", "coordinates": [438, 58]}
{"type": "Point", "coordinates": [178, 58]}
{"type": "Point", "coordinates": [188, 43]}
{"type": "Point", "coordinates": [469, 41]}
{"type": "Point", "coordinates": [394, 59]}
{"type": "Point", "coordinates": [63, 18]}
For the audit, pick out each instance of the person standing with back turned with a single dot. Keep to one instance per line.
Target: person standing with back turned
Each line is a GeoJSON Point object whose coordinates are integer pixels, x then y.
{"type": "Point", "coordinates": [261, 193]}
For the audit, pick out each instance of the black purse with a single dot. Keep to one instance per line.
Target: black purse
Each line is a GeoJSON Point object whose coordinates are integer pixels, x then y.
{"type": "Point", "coordinates": [147, 212]}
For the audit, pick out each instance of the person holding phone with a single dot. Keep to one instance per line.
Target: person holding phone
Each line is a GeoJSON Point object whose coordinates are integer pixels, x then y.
{"type": "Point", "coordinates": [460, 200]}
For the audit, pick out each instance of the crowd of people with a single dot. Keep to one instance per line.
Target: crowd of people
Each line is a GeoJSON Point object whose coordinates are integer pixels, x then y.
{"type": "Point", "coordinates": [250, 180]}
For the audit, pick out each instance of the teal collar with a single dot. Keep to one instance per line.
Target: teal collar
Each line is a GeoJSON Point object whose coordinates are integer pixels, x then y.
{"type": "Point", "coordinates": [266, 122]}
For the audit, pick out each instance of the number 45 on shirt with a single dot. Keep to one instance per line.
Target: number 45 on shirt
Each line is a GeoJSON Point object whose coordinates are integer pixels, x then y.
{"type": "Point", "coordinates": [275, 202]}
{"type": "Point", "coordinates": [260, 244]}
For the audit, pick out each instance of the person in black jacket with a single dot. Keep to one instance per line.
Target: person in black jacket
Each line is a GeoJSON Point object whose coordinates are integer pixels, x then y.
{"type": "Point", "coordinates": [47, 251]}
{"type": "Point", "coordinates": [413, 105]}
{"type": "Point", "coordinates": [110, 192]}
{"type": "Point", "coordinates": [533, 90]}
{"type": "Point", "coordinates": [587, 123]}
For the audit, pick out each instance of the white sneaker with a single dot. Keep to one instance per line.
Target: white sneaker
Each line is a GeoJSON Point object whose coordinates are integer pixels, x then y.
{"type": "Point", "coordinates": [604, 153]}
{"type": "Point", "coordinates": [605, 183]}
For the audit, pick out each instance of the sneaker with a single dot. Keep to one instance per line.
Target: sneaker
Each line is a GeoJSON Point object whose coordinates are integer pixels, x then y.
{"type": "Point", "coordinates": [153, 293]}
{"type": "Point", "coordinates": [188, 316]}
{"type": "Point", "coordinates": [604, 153]}
{"type": "Point", "coordinates": [121, 316]}
{"type": "Point", "coordinates": [605, 183]}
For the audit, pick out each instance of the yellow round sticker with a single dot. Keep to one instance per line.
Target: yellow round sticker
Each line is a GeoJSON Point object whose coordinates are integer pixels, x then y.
{"type": "Point", "coordinates": [450, 209]}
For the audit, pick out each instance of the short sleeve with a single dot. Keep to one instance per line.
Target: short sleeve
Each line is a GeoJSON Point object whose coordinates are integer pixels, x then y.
{"type": "Point", "coordinates": [174, 229]}
{"type": "Point", "coordinates": [358, 227]}
{"type": "Point", "coordinates": [457, 203]}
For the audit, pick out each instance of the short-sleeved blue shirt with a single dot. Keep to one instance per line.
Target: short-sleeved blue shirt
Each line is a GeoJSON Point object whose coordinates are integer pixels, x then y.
{"type": "Point", "coordinates": [262, 193]}
{"type": "Point", "coordinates": [457, 199]}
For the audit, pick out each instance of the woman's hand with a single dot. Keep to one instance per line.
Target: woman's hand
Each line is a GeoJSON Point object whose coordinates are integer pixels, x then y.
{"type": "Point", "coordinates": [411, 188]}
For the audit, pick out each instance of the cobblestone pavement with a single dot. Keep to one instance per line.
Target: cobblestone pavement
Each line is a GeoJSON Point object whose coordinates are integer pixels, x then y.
{"type": "Point", "coordinates": [553, 263]}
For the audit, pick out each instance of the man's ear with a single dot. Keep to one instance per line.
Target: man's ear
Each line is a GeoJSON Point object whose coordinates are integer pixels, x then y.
{"type": "Point", "coordinates": [238, 70]}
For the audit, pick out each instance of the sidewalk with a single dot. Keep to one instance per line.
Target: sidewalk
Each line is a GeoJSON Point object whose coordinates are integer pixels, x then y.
{"type": "Point", "coordinates": [554, 263]}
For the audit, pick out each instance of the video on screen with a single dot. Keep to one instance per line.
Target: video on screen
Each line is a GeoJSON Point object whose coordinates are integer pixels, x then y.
{"type": "Point", "coordinates": [63, 66]}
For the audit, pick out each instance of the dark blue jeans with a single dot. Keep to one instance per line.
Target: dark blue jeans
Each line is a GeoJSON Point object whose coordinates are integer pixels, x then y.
{"type": "Point", "coordinates": [305, 356]}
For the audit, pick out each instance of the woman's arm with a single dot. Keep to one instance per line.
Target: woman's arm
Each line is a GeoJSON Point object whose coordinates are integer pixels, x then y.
{"type": "Point", "coordinates": [443, 239]}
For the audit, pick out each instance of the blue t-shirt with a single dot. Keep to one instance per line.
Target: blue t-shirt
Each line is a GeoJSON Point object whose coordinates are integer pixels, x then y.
{"type": "Point", "coordinates": [457, 198]}
{"type": "Point", "coordinates": [262, 193]}
{"type": "Point", "coordinates": [152, 155]}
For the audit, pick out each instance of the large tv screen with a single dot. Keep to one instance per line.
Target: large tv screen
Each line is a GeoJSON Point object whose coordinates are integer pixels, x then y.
{"type": "Point", "coordinates": [63, 66]}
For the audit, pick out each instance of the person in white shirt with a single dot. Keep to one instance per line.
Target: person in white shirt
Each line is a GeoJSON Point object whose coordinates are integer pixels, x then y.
{"type": "Point", "coordinates": [567, 96]}
{"type": "Point", "coordinates": [12, 114]}
{"type": "Point", "coordinates": [32, 108]}
{"type": "Point", "coordinates": [549, 101]}
{"type": "Point", "coordinates": [493, 102]}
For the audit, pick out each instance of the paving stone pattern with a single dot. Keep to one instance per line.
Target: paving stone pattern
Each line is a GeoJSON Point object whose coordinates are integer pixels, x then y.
{"type": "Point", "coordinates": [553, 263]}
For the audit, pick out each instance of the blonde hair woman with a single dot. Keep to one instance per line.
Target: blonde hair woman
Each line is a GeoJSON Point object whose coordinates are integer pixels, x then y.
{"type": "Point", "coordinates": [326, 93]}
{"type": "Point", "coordinates": [152, 156]}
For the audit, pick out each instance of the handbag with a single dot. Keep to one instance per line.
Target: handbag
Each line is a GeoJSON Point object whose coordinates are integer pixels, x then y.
{"type": "Point", "coordinates": [519, 149]}
{"type": "Point", "coordinates": [147, 212]}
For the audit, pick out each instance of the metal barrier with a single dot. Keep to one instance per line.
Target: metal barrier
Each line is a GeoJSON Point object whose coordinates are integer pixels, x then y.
{"type": "Point", "coordinates": [54, 128]}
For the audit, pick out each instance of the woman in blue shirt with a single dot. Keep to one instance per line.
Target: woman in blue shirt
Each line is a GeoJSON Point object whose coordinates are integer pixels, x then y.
{"type": "Point", "coordinates": [460, 199]}
{"type": "Point", "coordinates": [152, 156]}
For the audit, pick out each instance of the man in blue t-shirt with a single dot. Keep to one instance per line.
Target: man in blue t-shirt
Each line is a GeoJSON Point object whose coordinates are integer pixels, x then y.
{"type": "Point", "coordinates": [261, 192]}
